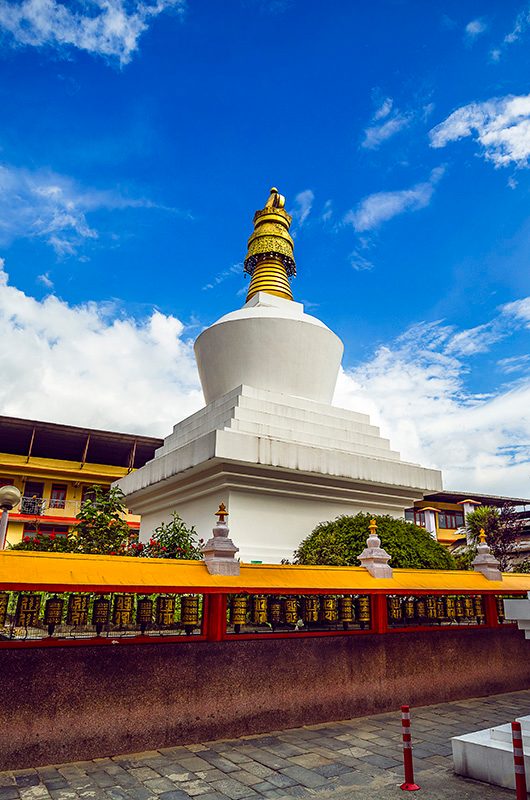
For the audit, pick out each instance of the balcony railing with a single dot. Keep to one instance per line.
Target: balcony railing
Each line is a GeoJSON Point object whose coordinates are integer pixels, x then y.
{"type": "Point", "coordinates": [40, 506]}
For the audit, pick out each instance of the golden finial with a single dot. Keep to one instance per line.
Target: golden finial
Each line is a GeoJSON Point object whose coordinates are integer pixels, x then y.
{"type": "Point", "coordinates": [482, 536]}
{"type": "Point", "coordinates": [269, 259]}
{"type": "Point", "coordinates": [372, 527]}
{"type": "Point", "coordinates": [221, 513]}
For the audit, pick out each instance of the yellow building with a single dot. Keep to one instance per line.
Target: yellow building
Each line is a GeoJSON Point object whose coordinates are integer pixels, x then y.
{"type": "Point", "coordinates": [444, 513]}
{"type": "Point", "coordinates": [55, 467]}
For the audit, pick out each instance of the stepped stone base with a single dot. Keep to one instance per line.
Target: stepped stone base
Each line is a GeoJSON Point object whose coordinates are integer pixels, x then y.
{"type": "Point", "coordinates": [487, 755]}
{"type": "Point", "coordinates": [281, 464]}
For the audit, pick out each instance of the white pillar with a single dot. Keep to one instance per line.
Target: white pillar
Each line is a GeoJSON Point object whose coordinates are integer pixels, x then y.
{"type": "Point", "coordinates": [430, 521]}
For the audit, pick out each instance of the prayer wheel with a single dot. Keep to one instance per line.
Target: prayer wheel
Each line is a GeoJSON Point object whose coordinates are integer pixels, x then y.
{"type": "Point", "coordinates": [431, 608]}
{"type": "Point", "coordinates": [364, 611]}
{"type": "Point", "coordinates": [441, 609]}
{"type": "Point", "coordinates": [450, 607]}
{"type": "Point", "coordinates": [275, 611]}
{"type": "Point", "coordinates": [100, 613]}
{"type": "Point", "coordinates": [4, 602]}
{"type": "Point", "coordinates": [53, 613]}
{"type": "Point", "coordinates": [500, 608]}
{"type": "Point", "coordinates": [189, 611]}
{"type": "Point", "coordinates": [144, 613]}
{"type": "Point", "coordinates": [459, 609]}
{"type": "Point", "coordinates": [421, 609]}
{"type": "Point", "coordinates": [394, 609]}
{"type": "Point", "coordinates": [479, 609]}
{"type": "Point", "coordinates": [122, 613]}
{"type": "Point", "coordinates": [469, 611]}
{"type": "Point", "coordinates": [238, 612]}
{"type": "Point", "coordinates": [409, 609]}
{"type": "Point", "coordinates": [329, 610]}
{"type": "Point", "coordinates": [165, 610]}
{"type": "Point", "coordinates": [311, 607]}
{"type": "Point", "coordinates": [259, 609]}
{"type": "Point", "coordinates": [77, 610]}
{"type": "Point", "coordinates": [27, 611]}
{"type": "Point", "coordinates": [290, 610]}
{"type": "Point", "coordinates": [346, 611]}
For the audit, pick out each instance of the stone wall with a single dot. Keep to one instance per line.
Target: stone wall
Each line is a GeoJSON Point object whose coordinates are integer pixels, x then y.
{"type": "Point", "coordinates": [74, 703]}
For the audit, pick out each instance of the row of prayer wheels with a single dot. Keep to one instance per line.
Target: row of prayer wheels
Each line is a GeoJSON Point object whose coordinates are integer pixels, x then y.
{"type": "Point", "coordinates": [120, 612]}
{"type": "Point", "coordinates": [437, 609]}
{"type": "Point", "coordinates": [308, 610]}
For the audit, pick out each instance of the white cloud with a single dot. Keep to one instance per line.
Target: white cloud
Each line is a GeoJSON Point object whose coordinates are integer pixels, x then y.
{"type": "Point", "coordinates": [520, 27]}
{"type": "Point", "coordinates": [384, 109]}
{"type": "Point", "coordinates": [109, 28]}
{"type": "Point", "coordinates": [514, 364]}
{"type": "Point", "coordinates": [304, 203]}
{"type": "Point", "coordinates": [359, 262]}
{"type": "Point", "coordinates": [520, 309]}
{"type": "Point", "coordinates": [45, 280]}
{"type": "Point", "coordinates": [414, 388]}
{"type": "Point", "coordinates": [90, 365]}
{"type": "Point", "coordinates": [380, 207]}
{"type": "Point", "coordinates": [500, 125]}
{"type": "Point", "coordinates": [386, 122]}
{"type": "Point", "coordinates": [44, 205]}
{"type": "Point", "coordinates": [475, 28]}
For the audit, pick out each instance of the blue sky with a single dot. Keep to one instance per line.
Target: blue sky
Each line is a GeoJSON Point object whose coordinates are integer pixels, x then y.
{"type": "Point", "coordinates": [138, 138]}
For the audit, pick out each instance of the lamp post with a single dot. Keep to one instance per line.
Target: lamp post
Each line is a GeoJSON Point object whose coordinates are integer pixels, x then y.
{"type": "Point", "coordinates": [9, 498]}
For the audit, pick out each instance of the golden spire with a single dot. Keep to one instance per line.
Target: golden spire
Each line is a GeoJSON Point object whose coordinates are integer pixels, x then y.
{"type": "Point", "coordinates": [269, 259]}
{"type": "Point", "coordinates": [482, 536]}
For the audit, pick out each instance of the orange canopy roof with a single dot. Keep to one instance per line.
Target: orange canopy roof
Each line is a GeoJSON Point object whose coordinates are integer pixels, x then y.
{"type": "Point", "coordinates": [71, 572]}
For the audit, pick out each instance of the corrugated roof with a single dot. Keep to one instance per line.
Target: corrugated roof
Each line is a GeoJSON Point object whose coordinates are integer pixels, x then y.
{"type": "Point", "coordinates": [69, 572]}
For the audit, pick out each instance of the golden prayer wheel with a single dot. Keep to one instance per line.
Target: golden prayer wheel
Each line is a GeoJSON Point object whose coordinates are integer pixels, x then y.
{"type": "Point", "coordinates": [4, 602]}
{"type": "Point", "coordinates": [290, 610]}
{"type": "Point", "coordinates": [469, 611]}
{"type": "Point", "coordinates": [165, 609]}
{"type": "Point", "coordinates": [238, 612]}
{"type": "Point", "coordinates": [259, 609]}
{"type": "Point", "coordinates": [421, 609]}
{"type": "Point", "coordinates": [479, 608]}
{"type": "Point", "coordinates": [77, 610]}
{"type": "Point", "coordinates": [459, 609]}
{"type": "Point", "coordinates": [364, 610]}
{"type": "Point", "coordinates": [328, 609]}
{"type": "Point", "coordinates": [100, 613]}
{"type": "Point", "coordinates": [275, 611]}
{"type": "Point", "coordinates": [189, 611]}
{"type": "Point", "coordinates": [431, 608]}
{"type": "Point", "coordinates": [53, 613]}
{"type": "Point", "coordinates": [122, 613]}
{"type": "Point", "coordinates": [409, 608]}
{"type": "Point", "coordinates": [346, 611]}
{"type": "Point", "coordinates": [394, 608]}
{"type": "Point", "coordinates": [450, 607]}
{"type": "Point", "coordinates": [27, 610]}
{"type": "Point", "coordinates": [311, 607]}
{"type": "Point", "coordinates": [500, 608]}
{"type": "Point", "coordinates": [144, 613]}
{"type": "Point", "coordinates": [441, 609]}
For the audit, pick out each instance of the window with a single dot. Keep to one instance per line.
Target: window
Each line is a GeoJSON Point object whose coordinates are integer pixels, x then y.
{"type": "Point", "coordinates": [451, 519]}
{"type": "Point", "coordinates": [58, 496]}
{"type": "Point", "coordinates": [88, 493]}
{"type": "Point", "coordinates": [31, 530]}
{"type": "Point", "coordinates": [416, 516]}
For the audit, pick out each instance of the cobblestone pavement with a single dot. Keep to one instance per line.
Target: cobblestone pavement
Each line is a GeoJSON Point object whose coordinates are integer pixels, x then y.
{"type": "Point", "coordinates": [359, 758]}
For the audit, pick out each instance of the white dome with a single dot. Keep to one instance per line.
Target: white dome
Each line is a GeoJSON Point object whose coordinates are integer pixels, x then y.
{"type": "Point", "coordinates": [271, 344]}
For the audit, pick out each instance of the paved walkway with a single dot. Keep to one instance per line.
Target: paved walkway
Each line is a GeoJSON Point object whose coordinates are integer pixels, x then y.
{"type": "Point", "coordinates": [358, 758]}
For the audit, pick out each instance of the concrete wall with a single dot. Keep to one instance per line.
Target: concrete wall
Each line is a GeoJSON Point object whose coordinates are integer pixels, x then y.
{"type": "Point", "coordinates": [74, 703]}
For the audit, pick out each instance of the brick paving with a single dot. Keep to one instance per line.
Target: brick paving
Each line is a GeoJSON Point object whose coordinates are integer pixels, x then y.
{"type": "Point", "coordinates": [359, 758]}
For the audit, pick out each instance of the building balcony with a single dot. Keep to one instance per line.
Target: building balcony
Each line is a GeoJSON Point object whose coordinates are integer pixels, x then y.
{"type": "Point", "coordinates": [49, 506]}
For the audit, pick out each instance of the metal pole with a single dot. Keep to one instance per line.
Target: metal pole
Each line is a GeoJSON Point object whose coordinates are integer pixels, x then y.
{"type": "Point", "coordinates": [3, 528]}
{"type": "Point", "coordinates": [409, 785]}
{"type": "Point", "coordinates": [518, 761]}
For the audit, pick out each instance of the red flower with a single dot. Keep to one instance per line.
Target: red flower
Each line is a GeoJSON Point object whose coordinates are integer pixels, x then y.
{"type": "Point", "coordinates": [27, 538]}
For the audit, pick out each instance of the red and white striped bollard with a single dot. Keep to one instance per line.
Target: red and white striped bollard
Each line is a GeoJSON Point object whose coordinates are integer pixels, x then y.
{"type": "Point", "coordinates": [518, 762]}
{"type": "Point", "coordinates": [409, 785]}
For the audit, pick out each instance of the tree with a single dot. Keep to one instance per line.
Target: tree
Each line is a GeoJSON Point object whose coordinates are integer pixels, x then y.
{"type": "Point", "coordinates": [502, 528]}
{"type": "Point", "coordinates": [101, 527]}
{"type": "Point", "coordinates": [340, 541]}
{"type": "Point", "coordinates": [171, 540]}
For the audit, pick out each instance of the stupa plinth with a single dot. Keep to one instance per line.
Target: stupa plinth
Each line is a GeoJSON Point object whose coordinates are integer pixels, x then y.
{"type": "Point", "coordinates": [268, 441]}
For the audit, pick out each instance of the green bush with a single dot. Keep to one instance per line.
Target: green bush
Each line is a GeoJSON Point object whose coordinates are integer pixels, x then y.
{"type": "Point", "coordinates": [340, 542]}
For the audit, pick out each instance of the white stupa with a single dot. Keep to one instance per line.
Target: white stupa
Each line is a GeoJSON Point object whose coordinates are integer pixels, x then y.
{"type": "Point", "coordinates": [269, 443]}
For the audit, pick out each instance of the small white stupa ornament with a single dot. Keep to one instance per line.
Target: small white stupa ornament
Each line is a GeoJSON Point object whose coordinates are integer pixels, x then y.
{"type": "Point", "coordinates": [219, 551]}
{"type": "Point", "coordinates": [373, 557]}
{"type": "Point", "coordinates": [485, 561]}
